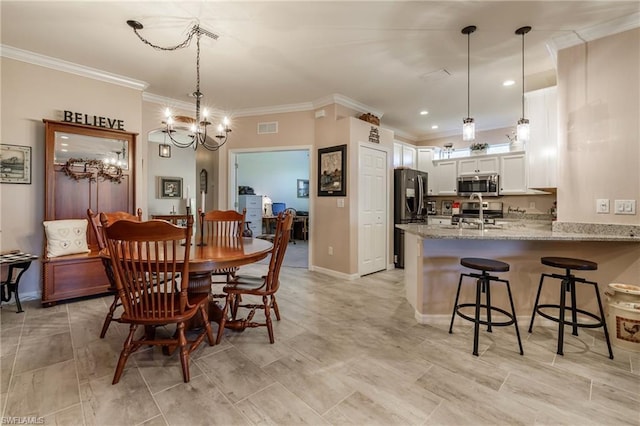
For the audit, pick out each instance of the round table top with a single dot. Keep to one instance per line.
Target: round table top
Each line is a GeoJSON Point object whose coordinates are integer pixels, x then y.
{"type": "Point", "coordinates": [222, 252]}
{"type": "Point", "coordinates": [226, 252]}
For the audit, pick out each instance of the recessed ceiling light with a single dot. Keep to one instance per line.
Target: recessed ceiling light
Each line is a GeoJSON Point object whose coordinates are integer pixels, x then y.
{"type": "Point", "coordinates": [508, 83]}
{"type": "Point", "coordinates": [424, 112]}
{"type": "Point", "coordinates": [435, 126]}
{"type": "Point", "coordinates": [64, 137]}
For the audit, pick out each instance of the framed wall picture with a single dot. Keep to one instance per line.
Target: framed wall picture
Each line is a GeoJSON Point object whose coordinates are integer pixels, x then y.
{"type": "Point", "coordinates": [15, 161]}
{"type": "Point", "coordinates": [332, 171]}
{"type": "Point", "coordinates": [169, 187]}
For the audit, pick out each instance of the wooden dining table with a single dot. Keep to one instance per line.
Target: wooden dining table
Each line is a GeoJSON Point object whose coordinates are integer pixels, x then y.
{"type": "Point", "coordinates": [213, 253]}
{"type": "Point", "coordinates": [210, 253]}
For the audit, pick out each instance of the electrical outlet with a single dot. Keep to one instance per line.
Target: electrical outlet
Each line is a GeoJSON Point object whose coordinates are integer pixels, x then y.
{"type": "Point", "coordinates": [330, 251]}
{"type": "Point", "coordinates": [602, 205]}
{"type": "Point", "coordinates": [625, 206]}
{"type": "Point", "coordinates": [340, 202]}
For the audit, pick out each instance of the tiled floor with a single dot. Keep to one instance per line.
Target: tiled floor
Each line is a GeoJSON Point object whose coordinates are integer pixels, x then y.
{"type": "Point", "coordinates": [346, 352]}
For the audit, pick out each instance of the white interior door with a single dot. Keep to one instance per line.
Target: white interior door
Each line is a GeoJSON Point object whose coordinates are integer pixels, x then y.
{"type": "Point", "coordinates": [372, 211]}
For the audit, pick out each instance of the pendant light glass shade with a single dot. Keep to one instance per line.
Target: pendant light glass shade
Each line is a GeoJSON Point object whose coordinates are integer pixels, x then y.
{"type": "Point", "coordinates": [468, 129]}
{"type": "Point", "coordinates": [523, 133]}
{"type": "Point", "coordinates": [468, 125]}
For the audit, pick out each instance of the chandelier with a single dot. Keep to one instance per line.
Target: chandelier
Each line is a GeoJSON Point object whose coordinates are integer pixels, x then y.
{"type": "Point", "coordinates": [197, 126]}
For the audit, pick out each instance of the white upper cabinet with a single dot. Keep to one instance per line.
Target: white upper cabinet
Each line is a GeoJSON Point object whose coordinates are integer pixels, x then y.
{"type": "Point", "coordinates": [445, 177]}
{"type": "Point", "coordinates": [478, 165]}
{"type": "Point", "coordinates": [513, 174]}
{"type": "Point", "coordinates": [425, 157]}
{"type": "Point", "coordinates": [404, 156]}
{"type": "Point", "coordinates": [542, 149]}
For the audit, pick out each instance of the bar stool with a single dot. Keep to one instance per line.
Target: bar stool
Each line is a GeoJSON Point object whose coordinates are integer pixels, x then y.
{"type": "Point", "coordinates": [483, 285]}
{"type": "Point", "coordinates": [568, 282]}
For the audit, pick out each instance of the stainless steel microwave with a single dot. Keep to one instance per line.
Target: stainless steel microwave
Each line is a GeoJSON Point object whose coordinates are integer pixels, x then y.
{"type": "Point", "coordinates": [485, 184]}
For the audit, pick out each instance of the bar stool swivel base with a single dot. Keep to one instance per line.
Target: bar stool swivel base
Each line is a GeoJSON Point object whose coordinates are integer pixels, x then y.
{"type": "Point", "coordinates": [483, 285]}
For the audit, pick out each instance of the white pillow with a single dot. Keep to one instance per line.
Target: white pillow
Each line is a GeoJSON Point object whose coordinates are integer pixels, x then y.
{"type": "Point", "coordinates": [66, 237]}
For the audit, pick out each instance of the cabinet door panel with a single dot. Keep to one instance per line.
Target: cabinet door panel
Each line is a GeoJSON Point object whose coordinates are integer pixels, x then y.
{"type": "Point", "coordinates": [513, 174]}
{"type": "Point", "coordinates": [446, 177]}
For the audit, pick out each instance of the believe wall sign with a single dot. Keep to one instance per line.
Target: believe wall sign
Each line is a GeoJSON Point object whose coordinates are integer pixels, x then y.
{"type": "Point", "coordinates": [93, 120]}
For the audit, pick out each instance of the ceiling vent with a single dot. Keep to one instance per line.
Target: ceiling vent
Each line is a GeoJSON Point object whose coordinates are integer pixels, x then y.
{"type": "Point", "coordinates": [266, 128]}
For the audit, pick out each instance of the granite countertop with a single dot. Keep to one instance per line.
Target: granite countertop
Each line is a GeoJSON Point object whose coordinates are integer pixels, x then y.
{"type": "Point", "coordinates": [523, 230]}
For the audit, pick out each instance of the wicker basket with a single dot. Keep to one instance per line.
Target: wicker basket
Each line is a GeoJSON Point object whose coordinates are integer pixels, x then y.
{"type": "Point", "coordinates": [370, 118]}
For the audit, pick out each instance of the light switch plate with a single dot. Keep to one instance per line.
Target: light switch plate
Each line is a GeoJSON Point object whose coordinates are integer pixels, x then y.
{"type": "Point", "coordinates": [625, 206]}
{"type": "Point", "coordinates": [602, 205]}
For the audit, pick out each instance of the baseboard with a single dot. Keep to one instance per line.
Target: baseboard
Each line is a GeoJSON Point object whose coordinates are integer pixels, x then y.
{"type": "Point", "coordinates": [24, 297]}
{"type": "Point", "coordinates": [333, 273]}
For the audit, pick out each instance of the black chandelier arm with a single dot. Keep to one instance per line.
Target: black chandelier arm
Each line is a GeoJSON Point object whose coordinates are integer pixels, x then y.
{"type": "Point", "coordinates": [200, 139]}
{"type": "Point", "coordinates": [177, 142]}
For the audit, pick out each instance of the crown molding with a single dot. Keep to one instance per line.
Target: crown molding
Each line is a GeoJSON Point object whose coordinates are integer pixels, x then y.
{"type": "Point", "coordinates": [403, 134]}
{"type": "Point", "coordinates": [337, 98]}
{"type": "Point", "coordinates": [595, 32]}
{"type": "Point", "coordinates": [81, 70]}
{"type": "Point", "coordinates": [169, 102]}
{"type": "Point", "coordinates": [69, 67]}
{"type": "Point", "coordinates": [275, 109]}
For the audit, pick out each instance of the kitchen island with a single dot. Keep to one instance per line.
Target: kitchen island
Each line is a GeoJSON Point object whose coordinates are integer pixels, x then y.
{"type": "Point", "coordinates": [433, 252]}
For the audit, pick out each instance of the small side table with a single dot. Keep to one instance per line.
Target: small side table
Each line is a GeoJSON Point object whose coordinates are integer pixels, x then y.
{"type": "Point", "coordinates": [18, 263]}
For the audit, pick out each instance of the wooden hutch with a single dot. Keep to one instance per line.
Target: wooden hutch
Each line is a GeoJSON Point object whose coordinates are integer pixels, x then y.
{"type": "Point", "coordinates": [86, 167]}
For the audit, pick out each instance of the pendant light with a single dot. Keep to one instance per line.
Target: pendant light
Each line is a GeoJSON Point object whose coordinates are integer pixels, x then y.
{"type": "Point", "coordinates": [468, 126]}
{"type": "Point", "coordinates": [523, 132]}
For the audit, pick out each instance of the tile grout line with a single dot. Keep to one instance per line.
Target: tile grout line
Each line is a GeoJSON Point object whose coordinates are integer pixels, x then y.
{"type": "Point", "coordinates": [13, 367]}
{"type": "Point", "coordinates": [75, 366]}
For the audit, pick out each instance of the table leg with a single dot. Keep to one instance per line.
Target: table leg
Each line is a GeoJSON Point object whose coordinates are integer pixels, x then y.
{"type": "Point", "coordinates": [13, 279]}
{"type": "Point", "coordinates": [200, 282]}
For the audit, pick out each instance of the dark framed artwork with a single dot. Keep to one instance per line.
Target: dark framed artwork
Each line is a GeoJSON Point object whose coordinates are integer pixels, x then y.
{"type": "Point", "coordinates": [169, 187]}
{"type": "Point", "coordinates": [15, 164]}
{"type": "Point", "coordinates": [332, 171]}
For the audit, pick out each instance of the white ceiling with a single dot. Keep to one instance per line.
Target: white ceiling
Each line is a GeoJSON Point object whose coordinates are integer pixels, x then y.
{"type": "Point", "coordinates": [389, 56]}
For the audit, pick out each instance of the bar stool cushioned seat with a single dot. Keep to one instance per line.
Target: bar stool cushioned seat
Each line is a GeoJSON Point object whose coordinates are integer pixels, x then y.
{"type": "Point", "coordinates": [483, 285]}
{"type": "Point", "coordinates": [568, 282]}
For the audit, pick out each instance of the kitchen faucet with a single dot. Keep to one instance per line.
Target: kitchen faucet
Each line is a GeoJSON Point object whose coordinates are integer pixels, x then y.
{"type": "Point", "coordinates": [479, 197]}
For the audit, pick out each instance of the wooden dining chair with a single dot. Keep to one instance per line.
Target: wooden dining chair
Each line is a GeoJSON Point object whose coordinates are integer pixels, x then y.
{"type": "Point", "coordinates": [294, 213]}
{"type": "Point", "coordinates": [143, 254]}
{"type": "Point", "coordinates": [222, 223]}
{"type": "Point", "coordinates": [264, 287]}
{"type": "Point", "coordinates": [94, 220]}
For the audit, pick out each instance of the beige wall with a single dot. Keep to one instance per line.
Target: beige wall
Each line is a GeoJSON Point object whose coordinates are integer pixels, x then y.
{"type": "Point", "coordinates": [31, 93]}
{"type": "Point", "coordinates": [599, 146]}
{"type": "Point", "coordinates": [294, 129]}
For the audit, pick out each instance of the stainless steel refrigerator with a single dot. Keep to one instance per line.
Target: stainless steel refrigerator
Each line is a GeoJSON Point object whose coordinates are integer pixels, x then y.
{"type": "Point", "coordinates": [410, 206]}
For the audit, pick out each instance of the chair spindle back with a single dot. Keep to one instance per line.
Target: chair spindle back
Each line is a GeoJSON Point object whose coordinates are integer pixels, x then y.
{"type": "Point", "coordinates": [145, 255]}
